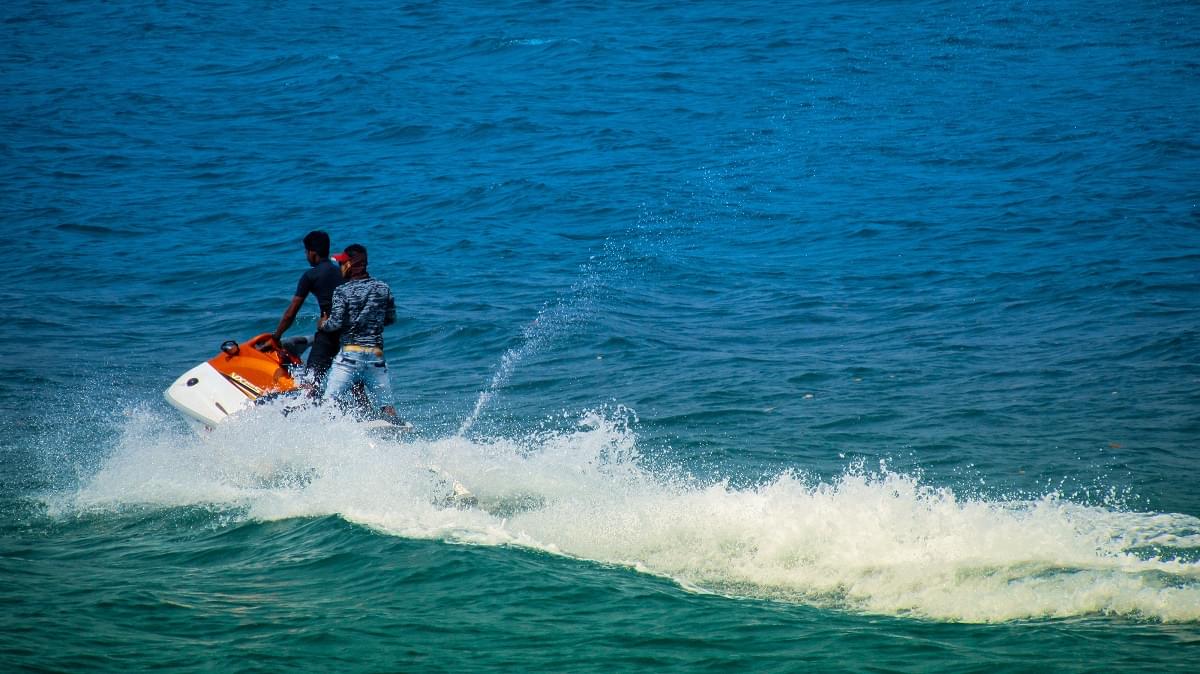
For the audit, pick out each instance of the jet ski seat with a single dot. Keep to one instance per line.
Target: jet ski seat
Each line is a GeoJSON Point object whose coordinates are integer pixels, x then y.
{"type": "Point", "coordinates": [296, 345]}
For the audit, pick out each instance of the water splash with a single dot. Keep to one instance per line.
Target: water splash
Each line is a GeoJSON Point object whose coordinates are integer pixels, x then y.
{"type": "Point", "coordinates": [568, 313]}
{"type": "Point", "coordinates": [549, 324]}
{"type": "Point", "coordinates": [872, 541]}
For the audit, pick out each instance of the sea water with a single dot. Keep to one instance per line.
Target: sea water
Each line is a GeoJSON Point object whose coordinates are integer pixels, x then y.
{"type": "Point", "coordinates": [768, 336]}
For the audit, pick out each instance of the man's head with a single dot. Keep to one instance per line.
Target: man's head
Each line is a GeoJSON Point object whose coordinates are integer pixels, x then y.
{"type": "Point", "coordinates": [316, 246]}
{"type": "Point", "coordinates": [353, 261]}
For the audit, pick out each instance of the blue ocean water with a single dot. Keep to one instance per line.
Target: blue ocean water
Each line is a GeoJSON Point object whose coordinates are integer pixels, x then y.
{"type": "Point", "coordinates": [771, 336]}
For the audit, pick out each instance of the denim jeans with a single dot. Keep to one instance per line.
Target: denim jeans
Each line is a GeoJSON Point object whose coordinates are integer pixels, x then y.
{"type": "Point", "coordinates": [359, 366]}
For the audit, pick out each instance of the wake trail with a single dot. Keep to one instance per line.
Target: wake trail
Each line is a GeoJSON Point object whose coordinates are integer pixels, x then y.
{"type": "Point", "coordinates": [568, 314]}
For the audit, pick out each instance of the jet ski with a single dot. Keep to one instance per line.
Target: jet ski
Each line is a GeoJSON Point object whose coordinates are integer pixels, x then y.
{"type": "Point", "coordinates": [260, 369]}
{"type": "Point", "coordinates": [236, 378]}
{"type": "Point", "coordinates": [245, 374]}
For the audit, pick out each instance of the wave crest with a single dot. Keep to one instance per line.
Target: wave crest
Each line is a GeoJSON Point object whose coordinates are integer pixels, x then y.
{"type": "Point", "coordinates": [874, 541]}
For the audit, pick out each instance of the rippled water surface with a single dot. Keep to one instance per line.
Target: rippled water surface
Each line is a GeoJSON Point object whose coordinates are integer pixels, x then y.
{"type": "Point", "coordinates": [770, 336]}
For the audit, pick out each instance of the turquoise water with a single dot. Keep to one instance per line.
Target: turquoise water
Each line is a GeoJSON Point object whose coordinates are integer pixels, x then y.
{"type": "Point", "coordinates": [771, 336]}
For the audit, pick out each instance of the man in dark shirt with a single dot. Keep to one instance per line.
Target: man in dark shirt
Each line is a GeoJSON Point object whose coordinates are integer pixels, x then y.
{"type": "Point", "coordinates": [362, 306]}
{"type": "Point", "coordinates": [320, 280]}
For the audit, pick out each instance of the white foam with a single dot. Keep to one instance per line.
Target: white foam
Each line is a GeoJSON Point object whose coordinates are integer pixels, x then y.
{"type": "Point", "coordinates": [872, 541]}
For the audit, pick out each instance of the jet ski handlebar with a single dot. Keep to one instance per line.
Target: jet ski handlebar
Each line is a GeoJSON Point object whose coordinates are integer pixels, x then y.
{"type": "Point", "coordinates": [266, 343]}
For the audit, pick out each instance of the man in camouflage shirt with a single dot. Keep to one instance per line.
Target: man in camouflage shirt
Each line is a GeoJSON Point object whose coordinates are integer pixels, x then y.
{"type": "Point", "coordinates": [361, 307]}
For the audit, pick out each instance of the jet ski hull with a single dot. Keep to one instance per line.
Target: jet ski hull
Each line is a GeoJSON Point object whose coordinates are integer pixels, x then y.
{"type": "Point", "coordinates": [233, 380]}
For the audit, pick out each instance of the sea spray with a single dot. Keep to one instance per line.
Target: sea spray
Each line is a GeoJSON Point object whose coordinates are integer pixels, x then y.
{"type": "Point", "coordinates": [568, 313]}
{"type": "Point", "coordinates": [534, 336]}
{"type": "Point", "coordinates": [872, 541]}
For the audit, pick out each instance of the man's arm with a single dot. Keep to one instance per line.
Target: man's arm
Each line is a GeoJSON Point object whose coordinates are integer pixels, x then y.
{"type": "Point", "coordinates": [389, 315]}
{"type": "Point", "coordinates": [303, 288]}
{"type": "Point", "coordinates": [289, 316]}
{"type": "Point", "coordinates": [337, 314]}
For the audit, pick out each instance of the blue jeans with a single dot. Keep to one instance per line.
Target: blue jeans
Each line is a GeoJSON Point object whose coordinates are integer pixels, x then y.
{"type": "Point", "coordinates": [359, 366]}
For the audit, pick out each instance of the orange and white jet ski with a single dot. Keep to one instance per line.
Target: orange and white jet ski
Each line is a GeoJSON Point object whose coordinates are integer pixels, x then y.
{"type": "Point", "coordinates": [253, 372]}
{"type": "Point", "coordinates": [260, 369]}
{"type": "Point", "coordinates": [236, 378]}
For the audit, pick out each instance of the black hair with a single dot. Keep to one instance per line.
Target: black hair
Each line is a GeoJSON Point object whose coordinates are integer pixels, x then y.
{"type": "Point", "coordinates": [318, 242]}
{"type": "Point", "coordinates": [358, 261]}
{"type": "Point", "coordinates": [355, 250]}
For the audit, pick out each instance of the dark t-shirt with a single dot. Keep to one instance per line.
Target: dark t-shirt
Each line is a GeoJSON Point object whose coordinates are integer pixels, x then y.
{"type": "Point", "coordinates": [320, 281]}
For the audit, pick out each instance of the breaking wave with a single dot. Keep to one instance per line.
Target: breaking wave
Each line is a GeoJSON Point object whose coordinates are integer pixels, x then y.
{"type": "Point", "coordinates": [872, 541]}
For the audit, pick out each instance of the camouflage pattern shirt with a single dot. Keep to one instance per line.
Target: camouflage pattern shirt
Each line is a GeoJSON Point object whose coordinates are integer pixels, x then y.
{"type": "Point", "coordinates": [361, 307]}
